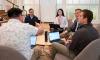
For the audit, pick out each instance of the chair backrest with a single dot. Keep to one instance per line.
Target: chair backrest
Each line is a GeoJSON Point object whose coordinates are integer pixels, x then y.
{"type": "Point", "coordinates": [7, 53]}
{"type": "Point", "coordinates": [91, 52]}
{"type": "Point", "coordinates": [97, 27]}
{"type": "Point", "coordinates": [70, 23]}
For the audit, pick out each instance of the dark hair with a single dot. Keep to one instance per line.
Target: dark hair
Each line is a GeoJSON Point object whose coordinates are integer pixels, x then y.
{"type": "Point", "coordinates": [88, 14]}
{"type": "Point", "coordinates": [77, 9]}
{"type": "Point", "coordinates": [62, 12]}
{"type": "Point", "coordinates": [30, 9]}
{"type": "Point", "coordinates": [14, 12]}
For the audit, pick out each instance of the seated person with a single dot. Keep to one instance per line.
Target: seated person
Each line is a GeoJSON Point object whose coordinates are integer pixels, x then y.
{"type": "Point", "coordinates": [75, 25]}
{"type": "Point", "coordinates": [81, 38]}
{"type": "Point", "coordinates": [31, 18]}
{"type": "Point", "coordinates": [16, 34]}
{"type": "Point", "coordinates": [61, 19]}
{"type": "Point", "coordinates": [60, 22]}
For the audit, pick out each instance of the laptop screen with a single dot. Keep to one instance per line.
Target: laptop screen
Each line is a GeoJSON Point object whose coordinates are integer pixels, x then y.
{"type": "Point", "coordinates": [33, 40]}
{"type": "Point", "coordinates": [54, 36]}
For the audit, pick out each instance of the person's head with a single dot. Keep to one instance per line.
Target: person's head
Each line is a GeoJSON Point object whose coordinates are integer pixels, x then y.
{"type": "Point", "coordinates": [31, 12]}
{"type": "Point", "coordinates": [85, 17]}
{"type": "Point", "coordinates": [15, 13]}
{"type": "Point", "coordinates": [77, 12]}
{"type": "Point", "coordinates": [60, 12]}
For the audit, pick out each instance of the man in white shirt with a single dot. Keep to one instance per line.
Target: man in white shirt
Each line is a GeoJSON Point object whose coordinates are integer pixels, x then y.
{"type": "Point", "coordinates": [16, 34]}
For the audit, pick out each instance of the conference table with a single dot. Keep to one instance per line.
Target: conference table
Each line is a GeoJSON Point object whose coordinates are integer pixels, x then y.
{"type": "Point", "coordinates": [45, 47]}
{"type": "Point", "coordinates": [41, 40]}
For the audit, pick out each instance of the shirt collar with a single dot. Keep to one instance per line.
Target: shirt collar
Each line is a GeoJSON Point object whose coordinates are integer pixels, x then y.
{"type": "Point", "coordinates": [85, 25]}
{"type": "Point", "coordinates": [14, 20]}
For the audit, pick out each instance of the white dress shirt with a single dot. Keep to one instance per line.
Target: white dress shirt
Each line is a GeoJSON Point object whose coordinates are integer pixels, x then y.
{"type": "Point", "coordinates": [62, 22]}
{"type": "Point", "coordinates": [17, 35]}
{"type": "Point", "coordinates": [77, 26]}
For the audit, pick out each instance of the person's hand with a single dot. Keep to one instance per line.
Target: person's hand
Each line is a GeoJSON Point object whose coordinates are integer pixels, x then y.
{"type": "Point", "coordinates": [68, 42]}
{"type": "Point", "coordinates": [62, 35]}
{"type": "Point", "coordinates": [37, 24]}
{"type": "Point", "coordinates": [40, 29]}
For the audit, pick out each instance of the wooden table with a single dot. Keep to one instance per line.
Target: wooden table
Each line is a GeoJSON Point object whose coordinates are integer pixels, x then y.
{"type": "Point", "coordinates": [41, 40]}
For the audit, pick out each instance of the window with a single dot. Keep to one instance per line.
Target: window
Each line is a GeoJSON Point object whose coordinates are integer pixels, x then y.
{"type": "Point", "coordinates": [1, 7]}
{"type": "Point", "coordinates": [59, 4]}
{"type": "Point", "coordinates": [28, 4]}
{"type": "Point", "coordinates": [32, 4]}
{"type": "Point", "coordinates": [59, 1]}
{"type": "Point", "coordinates": [92, 5]}
{"type": "Point", "coordinates": [1, 4]}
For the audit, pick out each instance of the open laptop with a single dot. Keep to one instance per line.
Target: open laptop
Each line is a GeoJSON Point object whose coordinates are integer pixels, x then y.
{"type": "Point", "coordinates": [54, 36]}
{"type": "Point", "coordinates": [55, 26]}
{"type": "Point", "coordinates": [33, 41]}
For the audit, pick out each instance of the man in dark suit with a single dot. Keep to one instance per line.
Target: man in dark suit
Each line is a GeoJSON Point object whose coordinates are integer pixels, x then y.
{"type": "Point", "coordinates": [31, 18]}
{"type": "Point", "coordinates": [76, 25]}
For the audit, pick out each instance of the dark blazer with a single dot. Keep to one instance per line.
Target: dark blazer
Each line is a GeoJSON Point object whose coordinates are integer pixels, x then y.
{"type": "Point", "coordinates": [82, 38]}
{"type": "Point", "coordinates": [31, 21]}
{"type": "Point", "coordinates": [73, 27]}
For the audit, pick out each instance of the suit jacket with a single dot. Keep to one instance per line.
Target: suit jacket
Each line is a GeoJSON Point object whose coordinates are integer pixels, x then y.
{"type": "Point", "coordinates": [74, 26]}
{"type": "Point", "coordinates": [32, 20]}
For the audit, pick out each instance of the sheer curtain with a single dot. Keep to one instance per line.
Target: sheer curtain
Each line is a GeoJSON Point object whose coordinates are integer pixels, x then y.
{"type": "Point", "coordinates": [1, 4]}
{"type": "Point", "coordinates": [35, 4]}
{"type": "Point", "coordinates": [62, 4]}
{"type": "Point", "coordinates": [48, 10]}
{"type": "Point", "coordinates": [44, 9]}
{"type": "Point", "coordinates": [7, 5]}
{"type": "Point", "coordinates": [19, 3]}
{"type": "Point", "coordinates": [99, 12]}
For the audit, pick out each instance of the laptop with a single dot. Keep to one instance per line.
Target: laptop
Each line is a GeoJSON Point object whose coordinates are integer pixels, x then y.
{"type": "Point", "coordinates": [33, 41]}
{"type": "Point", "coordinates": [55, 26]}
{"type": "Point", "coordinates": [54, 36]}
